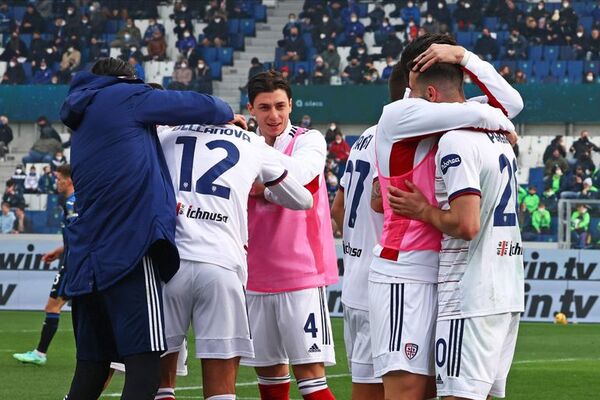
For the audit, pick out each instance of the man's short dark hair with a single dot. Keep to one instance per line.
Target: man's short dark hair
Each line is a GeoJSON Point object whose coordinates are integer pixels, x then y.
{"type": "Point", "coordinates": [267, 82]}
{"type": "Point", "coordinates": [64, 170]}
{"type": "Point", "coordinates": [450, 75]}
{"type": "Point", "coordinates": [156, 86]}
{"type": "Point", "coordinates": [113, 67]}
{"type": "Point", "coordinates": [398, 80]}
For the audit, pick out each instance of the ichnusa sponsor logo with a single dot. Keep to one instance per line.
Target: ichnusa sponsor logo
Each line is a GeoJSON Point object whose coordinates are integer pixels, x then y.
{"type": "Point", "coordinates": [449, 161]}
{"type": "Point", "coordinates": [197, 213]}
{"type": "Point", "coordinates": [506, 248]}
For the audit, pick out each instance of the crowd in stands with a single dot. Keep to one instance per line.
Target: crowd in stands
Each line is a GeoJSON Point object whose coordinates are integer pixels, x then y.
{"type": "Point", "coordinates": [527, 41]}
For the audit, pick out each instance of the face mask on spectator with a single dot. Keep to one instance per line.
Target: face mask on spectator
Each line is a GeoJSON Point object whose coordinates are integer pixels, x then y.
{"type": "Point", "coordinates": [540, 6]}
{"type": "Point", "coordinates": [467, 5]}
{"type": "Point", "coordinates": [84, 21]}
{"type": "Point", "coordinates": [579, 34]}
{"type": "Point", "coordinates": [430, 19]}
{"type": "Point", "coordinates": [186, 34]}
{"type": "Point", "coordinates": [127, 36]}
{"type": "Point", "coordinates": [332, 127]}
{"type": "Point", "coordinates": [325, 20]}
{"type": "Point", "coordinates": [565, 4]}
{"type": "Point", "coordinates": [133, 49]}
{"type": "Point", "coordinates": [201, 65]}
{"type": "Point", "coordinates": [18, 170]}
{"type": "Point", "coordinates": [183, 65]}
{"type": "Point", "coordinates": [70, 12]}
{"type": "Point", "coordinates": [589, 77]}
{"type": "Point", "coordinates": [183, 9]}
{"type": "Point", "coordinates": [92, 8]}
{"type": "Point", "coordinates": [353, 19]}
{"type": "Point", "coordinates": [218, 20]}
{"type": "Point", "coordinates": [43, 67]}
{"type": "Point", "coordinates": [440, 5]}
{"type": "Point", "coordinates": [361, 51]}
{"type": "Point", "coordinates": [292, 20]}
{"type": "Point", "coordinates": [182, 24]}
{"type": "Point", "coordinates": [71, 49]}
{"type": "Point", "coordinates": [49, 50]}
{"type": "Point", "coordinates": [410, 4]}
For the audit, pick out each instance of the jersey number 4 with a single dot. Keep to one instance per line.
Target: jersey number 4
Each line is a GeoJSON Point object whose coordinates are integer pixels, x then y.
{"type": "Point", "coordinates": [206, 183]}
{"type": "Point", "coordinates": [363, 168]}
{"type": "Point", "coordinates": [502, 218]}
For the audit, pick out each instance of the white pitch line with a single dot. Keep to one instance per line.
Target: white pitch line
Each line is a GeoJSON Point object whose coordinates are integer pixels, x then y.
{"type": "Point", "coordinates": [556, 360]}
{"type": "Point", "coordinates": [239, 384]}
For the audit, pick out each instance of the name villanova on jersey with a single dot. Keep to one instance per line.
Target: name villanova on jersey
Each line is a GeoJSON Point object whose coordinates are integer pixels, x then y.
{"type": "Point", "coordinates": [200, 214]}
{"type": "Point", "coordinates": [214, 131]}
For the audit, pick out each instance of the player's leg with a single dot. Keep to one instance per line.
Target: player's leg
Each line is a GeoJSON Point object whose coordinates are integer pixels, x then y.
{"type": "Point", "coordinates": [402, 320]}
{"type": "Point", "coordinates": [270, 360]}
{"type": "Point", "coordinates": [469, 356]}
{"type": "Point", "coordinates": [168, 373]}
{"type": "Point", "coordinates": [308, 340]}
{"type": "Point", "coordinates": [506, 357]}
{"type": "Point", "coordinates": [219, 376]}
{"type": "Point", "coordinates": [134, 306]}
{"type": "Point", "coordinates": [357, 337]}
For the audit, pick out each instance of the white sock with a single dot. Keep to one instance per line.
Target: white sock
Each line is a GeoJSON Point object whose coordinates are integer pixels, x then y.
{"type": "Point", "coordinates": [165, 393]}
{"type": "Point", "coordinates": [39, 353]}
{"type": "Point", "coordinates": [276, 380]}
{"type": "Point", "coordinates": [222, 397]}
{"type": "Point", "coordinates": [308, 386]}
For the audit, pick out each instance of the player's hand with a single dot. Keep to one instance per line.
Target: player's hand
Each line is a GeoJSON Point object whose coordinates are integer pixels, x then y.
{"type": "Point", "coordinates": [438, 53]}
{"type": "Point", "coordinates": [512, 137]}
{"type": "Point", "coordinates": [409, 204]}
{"type": "Point", "coordinates": [239, 120]}
{"type": "Point", "coordinates": [258, 190]}
{"type": "Point", "coordinates": [52, 256]}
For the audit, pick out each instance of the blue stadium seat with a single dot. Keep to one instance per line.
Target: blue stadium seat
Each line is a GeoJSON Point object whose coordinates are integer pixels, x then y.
{"type": "Point", "coordinates": [233, 25]}
{"type": "Point", "coordinates": [302, 64]}
{"type": "Point", "coordinates": [340, 39]}
{"type": "Point", "coordinates": [464, 38]}
{"type": "Point", "coordinates": [236, 40]}
{"type": "Point", "coordinates": [38, 220]}
{"type": "Point", "coordinates": [566, 53]}
{"type": "Point", "coordinates": [308, 39]}
{"type": "Point", "coordinates": [380, 38]}
{"type": "Point", "coordinates": [109, 37]}
{"type": "Point", "coordinates": [363, 10]}
{"type": "Point", "coordinates": [587, 23]}
{"type": "Point", "coordinates": [536, 178]}
{"type": "Point", "coordinates": [536, 52]}
{"type": "Point", "coordinates": [248, 27]}
{"type": "Point", "coordinates": [581, 8]}
{"type": "Point", "coordinates": [311, 53]}
{"type": "Point", "coordinates": [28, 71]}
{"type": "Point", "coordinates": [225, 55]}
{"type": "Point", "coordinates": [551, 53]}
{"type": "Point", "coordinates": [260, 13]}
{"type": "Point", "coordinates": [502, 36]}
{"type": "Point", "coordinates": [351, 139]}
{"type": "Point", "coordinates": [26, 38]}
{"type": "Point", "coordinates": [526, 67]}
{"type": "Point", "coordinates": [111, 26]}
{"type": "Point", "coordinates": [491, 23]}
{"type": "Point", "coordinates": [209, 54]}
{"type": "Point", "coordinates": [558, 69]}
{"type": "Point", "coordinates": [541, 69]}
{"type": "Point", "coordinates": [167, 81]}
{"type": "Point", "coordinates": [575, 69]}
{"type": "Point", "coordinates": [215, 70]}
{"type": "Point", "coordinates": [593, 66]}
{"type": "Point", "coordinates": [18, 12]}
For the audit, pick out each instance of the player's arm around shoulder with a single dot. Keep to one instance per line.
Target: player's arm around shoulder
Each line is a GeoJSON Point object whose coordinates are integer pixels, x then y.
{"type": "Point", "coordinates": [308, 157]}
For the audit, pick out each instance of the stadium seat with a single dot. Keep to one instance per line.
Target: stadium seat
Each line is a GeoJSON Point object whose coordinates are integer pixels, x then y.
{"type": "Point", "coordinates": [536, 178]}
{"type": "Point", "coordinates": [166, 81]}
{"type": "Point", "coordinates": [209, 54]}
{"type": "Point", "coordinates": [551, 53]}
{"type": "Point", "coordinates": [526, 67]}
{"type": "Point", "coordinates": [536, 52]}
{"type": "Point", "coordinates": [260, 13]}
{"type": "Point", "coordinates": [18, 12]}
{"type": "Point", "coordinates": [363, 10]}
{"type": "Point", "coordinates": [233, 25]}
{"type": "Point", "coordinates": [566, 53]}
{"type": "Point", "coordinates": [491, 23]}
{"type": "Point", "coordinates": [111, 26]}
{"type": "Point", "coordinates": [558, 69]}
{"type": "Point", "coordinates": [225, 55]}
{"type": "Point", "coordinates": [541, 69]}
{"type": "Point", "coordinates": [587, 22]}
{"type": "Point", "coordinates": [593, 66]}
{"type": "Point", "coordinates": [248, 27]}
{"type": "Point", "coordinates": [28, 70]}
{"type": "Point", "coordinates": [215, 70]}
{"type": "Point", "coordinates": [302, 64]}
{"type": "Point", "coordinates": [236, 40]}
{"type": "Point", "coordinates": [575, 70]}
{"type": "Point", "coordinates": [308, 39]}
{"type": "Point", "coordinates": [464, 39]}
{"type": "Point", "coordinates": [501, 37]}
{"type": "Point", "coordinates": [351, 139]}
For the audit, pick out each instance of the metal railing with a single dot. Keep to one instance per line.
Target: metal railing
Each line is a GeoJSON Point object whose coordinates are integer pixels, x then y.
{"type": "Point", "coordinates": [565, 209]}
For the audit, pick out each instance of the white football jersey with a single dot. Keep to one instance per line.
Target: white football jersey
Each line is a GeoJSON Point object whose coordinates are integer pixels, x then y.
{"type": "Point", "coordinates": [362, 225]}
{"type": "Point", "coordinates": [212, 169]}
{"type": "Point", "coordinates": [483, 276]}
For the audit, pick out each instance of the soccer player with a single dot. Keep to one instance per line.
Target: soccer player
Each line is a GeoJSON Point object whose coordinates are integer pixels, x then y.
{"type": "Point", "coordinates": [213, 169]}
{"type": "Point", "coordinates": [122, 244]}
{"type": "Point", "coordinates": [291, 256]}
{"type": "Point", "coordinates": [57, 298]}
{"type": "Point", "coordinates": [481, 283]}
{"type": "Point", "coordinates": [402, 290]}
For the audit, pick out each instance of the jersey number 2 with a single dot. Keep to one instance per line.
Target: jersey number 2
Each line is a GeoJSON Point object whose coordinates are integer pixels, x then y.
{"type": "Point", "coordinates": [206, 183]}
{"type": "Point", "coordinates": [363, 168]}
{"type": "Point", "coordinates": [502, 218]}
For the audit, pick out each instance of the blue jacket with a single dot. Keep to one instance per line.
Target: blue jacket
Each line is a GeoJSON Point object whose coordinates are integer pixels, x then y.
{"type": "Point", "coordinates": [125, 198]}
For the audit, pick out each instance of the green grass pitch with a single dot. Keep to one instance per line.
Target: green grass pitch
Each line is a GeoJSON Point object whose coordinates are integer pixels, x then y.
{"type": "Point", "coordinates": [552, 362]}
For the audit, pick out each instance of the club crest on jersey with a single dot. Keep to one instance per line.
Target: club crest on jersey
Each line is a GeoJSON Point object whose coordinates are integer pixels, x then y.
{"type": "Point", "coordinates": [411, 349]}
{"type": "Point", "coordinates": [506, 248]}
{"type": "Point", "coordinates": [449, 161]}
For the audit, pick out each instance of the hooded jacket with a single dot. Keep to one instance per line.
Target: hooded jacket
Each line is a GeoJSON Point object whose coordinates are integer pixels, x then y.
{"type": "Point", "coordinates": [126, 202]}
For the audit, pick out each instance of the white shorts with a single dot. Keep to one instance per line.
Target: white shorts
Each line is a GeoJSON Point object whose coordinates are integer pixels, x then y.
{"type": "Point", "coordinates": [357, 336]}
{"type": "Point", "coordinates": [213, 301]}
{"type": "Point", "coordinates": [402, 317]}
{"type": "Point", "coordinates": [290, 328]}
{"type": "Point", "coordinates": [182, 369]}
{"type": "Point", "coordinates": [473, 355]}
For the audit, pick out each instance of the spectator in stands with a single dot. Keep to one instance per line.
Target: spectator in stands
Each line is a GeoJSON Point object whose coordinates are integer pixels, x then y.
{"type": "Point", "coordinates": [466, 16]}
{"type": "Point", "coordinates": [212, 9]}
{"type": "Point", "coordinates": [128, 35]}
{"type": "Point", "coordinates": [431, 25]}
{"type": "Point", "coordinates": [510, 16]}
{"type": "Point", "coordinates": [22, 221]}
{"type": "Point", "coordinates": [97, 19]}
{"type": "Point", "coordinates": [580, 224]}
{"type": "Point", "coordinates": [371, 74]}
{"type": "Point", "coordinates": [578, 42]}
{"type": "Point", "coordinates": [392, 47]}
{"type": "Point", "coordinates": [568, 17]}
{"type": "Point", "coordinates": [182, 76]}
{"type": "Point", "coordinates": [306, 121]}
{"type": "Point", "coordinates": [486, 46]}
{"type": "Point", "coordinates": [301, 77]}
{"type": "Point", "coordinates": [202, 78]}
{"type": "Point", "coordinates": [589, 191]}
{"type": "Point", "coordinates": [506, 73]}
{"type": "Point", "coordinates": [71, 59]}
{"type": "Point", "coordinates": [294, 48]}
{"type": "Point", "coordinates": [539, 11]}
{"type": "Point", "coordinates": [555, 158]}
{"type": "Point", "coordinates": [32, 20]}
{"type": "Point", "coordinates": [216, 33]}
{"type": "Point", "coordinates": [410, 13]}
{"type": "Point", "coordinates": [292, 22]}
{"type": "Point", "coordinates": [153, 25]}
{"type": "Point", "coordinates": [306, 26]}
{"type": "Point", "coordinates": [389, 67]}
{"type": "Point", "coordinates": [19, 177]}
{"type": "Point", "coordinates": [590, 79]}
{"type": "Point", "coordinates": [541, 220]}
{"type": "Point", "coordinates": [58, 160]}
{"type": "Point", "coordinates": [285, 72]}
{"type": "Point", "coordinates": [72, 22]}
{"type": "Point", "coordinates": [596, 13]}
{"type": "Point", "coordinates": [44, 7]}
{"type": "Point", "coordinates": [47, 182]}
{"type": "Point", "coordinates": [353, 73]}
{"type": "Point", "coordinates": [31, 181]}
{"type": "Point", "coordinates": [359, 50]}
{"type": "Point", "coordinates": [520, 77]}
{"type": "Point", "coordinates": [6, 136]}
{"type": "Point", "coordinates": [441, 13]}
{"type": "Point", "coordinates": [550, 198]}
{"type": "Point", "coordinates": [42, 75]}
{"type": "Point", "coordinates": [353, 29]}
{"type": "Point", "coordinates": [7, 219]}
{"type": "Point", "coordinates": [320, 75]}
{"type": "Point", "coordinates": [157, 47]}
{"type": "Point", "coordinates": [37, 48]}
{"type": "Point", "coordinates": [181, 27]}
{"type": "Point", "coordinates": [12, 195]}
{"type": "Point", "coordinates": [186, 43]}
{"type": "Point", "coordinates": [516, 46]}
{"type": "Point", "coordinates": [377, 16]}
{"type": "Point", "coordinates": [85, 29]}
{"type": "Point", "coordinates": [256, 67]}
{"type": "Point", "coordinates": [340, 150]}
{"type": "Point", "coordinates": [15, 74]}
{"type": "Point", "coordinates": [331, 58]}
{"type": "Point", "coordinates": [331, 132]}
{"type": "Point", "coordinates": [139, 70]}
{"type": "Point", "coordinates": [572, 184]}
{"type": "Point", "coordinates": [557, 143]}
{"type": "Point", "coordinates": [384, 30]}
{"type": "Point", "coordinates": [43, 150]}
{"type": "Point", "coordinates": [324, 33]}
{"type": "Point", "coordinates": [593, 45]}
{"type": "Point", "coordinates": [586, 163]}
{"type": "Point", "coordinates": [583, 144]}
{"type": "Point", "coordinates": [530, 201]}
{"type": "Point", "coordinates": [533, 33]}
{"type": "Point", "coordinates": [332, 184]}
